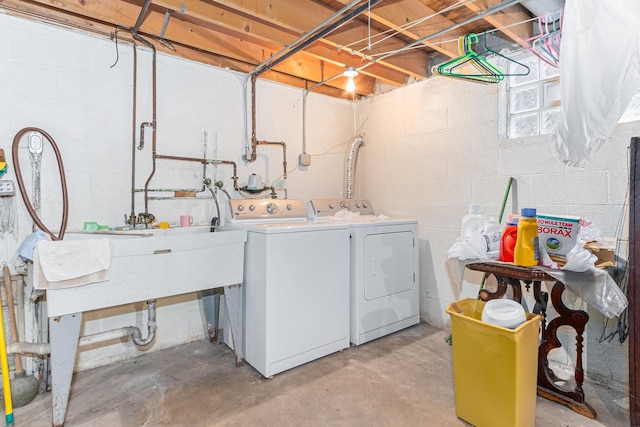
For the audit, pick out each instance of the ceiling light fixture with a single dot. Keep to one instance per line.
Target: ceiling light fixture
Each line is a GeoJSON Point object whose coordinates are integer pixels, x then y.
{"type": "Point", "coordinates": [350, 73]}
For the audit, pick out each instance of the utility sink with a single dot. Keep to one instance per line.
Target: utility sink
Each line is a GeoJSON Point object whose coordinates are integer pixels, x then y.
{"type": "Point", "coordinates": [156, 263]}
{"type": "Point", "coordinates": [145, 265]}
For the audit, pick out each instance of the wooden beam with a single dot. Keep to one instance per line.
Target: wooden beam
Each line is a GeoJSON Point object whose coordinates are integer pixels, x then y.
{"type": "Point", "coordinates": [75, 22]}
{"type": "Point", "coordinates": [396, 15]}
{"type": "Point", "coordinates": [506, 20]}
{"type": "Point", "coordinates": [182, 32]}
{"type": "Point", "coordinates": [303, 15]}
{"type": "Point", "coordinates": [228, 22]}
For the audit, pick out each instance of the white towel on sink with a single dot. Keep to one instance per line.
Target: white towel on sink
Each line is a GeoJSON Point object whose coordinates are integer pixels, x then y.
{"type": "Point", "coordinates": [69, 263]}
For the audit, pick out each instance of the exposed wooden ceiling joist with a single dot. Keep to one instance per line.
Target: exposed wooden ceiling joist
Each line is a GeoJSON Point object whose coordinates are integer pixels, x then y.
{"type": "Point", "coordinates": [243, 33]}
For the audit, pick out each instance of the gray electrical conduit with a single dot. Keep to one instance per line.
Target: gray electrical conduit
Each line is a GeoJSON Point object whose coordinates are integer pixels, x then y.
{"type": "Point", "coordinates": [127, 331]}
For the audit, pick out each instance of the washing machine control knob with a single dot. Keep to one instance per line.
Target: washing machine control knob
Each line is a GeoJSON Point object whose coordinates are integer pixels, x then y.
{"type": "Point", "coordinates": [252, 208]}
{"type": "Point", "coordinates": [289, 207]}
{"type": "Point", "coordinates": [364, 205]}
{"type": "Point", "coordinates": [357, 205]}
{"type": "Point", "coordinates": [344, 205]}
{"type": "Point", "coordinates": [330, 205]}
{"type": "Point", "coordinates": [272, 208]}
{"type": "Point", "coordinates": [240, 208]}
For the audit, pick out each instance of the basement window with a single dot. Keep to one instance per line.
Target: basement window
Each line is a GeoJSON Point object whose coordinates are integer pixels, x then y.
{"type": "Point", "coordinates": [531, 102]}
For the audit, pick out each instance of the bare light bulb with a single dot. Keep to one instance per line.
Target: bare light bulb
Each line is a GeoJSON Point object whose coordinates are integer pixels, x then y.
{"type": "Point", "coordinates": [351, 84]}
{"type": "Point", "coordinates": [350, 73]}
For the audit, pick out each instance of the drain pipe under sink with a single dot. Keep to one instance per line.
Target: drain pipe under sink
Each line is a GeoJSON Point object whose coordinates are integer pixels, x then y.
{"type": "Point", "coordinates": [127, 331]}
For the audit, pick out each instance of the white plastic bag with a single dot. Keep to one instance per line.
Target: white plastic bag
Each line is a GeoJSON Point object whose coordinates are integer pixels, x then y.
{"type": "Point", "coordinates": [599, 74]}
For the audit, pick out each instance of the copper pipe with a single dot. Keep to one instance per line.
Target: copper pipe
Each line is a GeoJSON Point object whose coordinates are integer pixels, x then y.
{"type": "Point", "coordinates": [284, 153]}
{"type": "Point", "coordinates": [136, 36]}
{"type": "Point", "coordinates": [205, 162]}
{"type": "Point", "coordinates": [154, 116]}
{"type": "Point", "coordinates": [133, 132]}
{"type": "Point", "coordinates": [23, 191]}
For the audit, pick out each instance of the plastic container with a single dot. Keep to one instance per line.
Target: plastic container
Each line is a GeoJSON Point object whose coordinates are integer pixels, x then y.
{"type": "Point", "coordinates": [508, 240]}
{"type": "Point", "coordinates": [504, 312]}
{"type": "Point", "coordinates": [495, 369]}
{"type": "Point", "coordinates": [491, 232]}
{"type": "Point", "coordinates": [471, 223]}
{"type": "Point", "coordinates": [526, 252]}
{"type": "Point", "coordinates": [93, 226]}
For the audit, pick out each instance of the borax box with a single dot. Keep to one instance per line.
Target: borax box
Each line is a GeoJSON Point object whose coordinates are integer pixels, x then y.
{"type": "Point", "coordinates": [558, 233]}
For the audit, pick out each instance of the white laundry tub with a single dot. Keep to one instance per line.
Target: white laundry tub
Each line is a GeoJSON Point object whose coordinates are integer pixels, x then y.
{"type": "Point", "coordinates": [156, 263]}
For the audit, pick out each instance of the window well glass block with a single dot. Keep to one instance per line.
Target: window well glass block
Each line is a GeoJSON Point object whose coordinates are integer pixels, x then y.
{"type": "Point", "coordinates": [547, 71]}
{"type": "Point", "coordinates": [514, 68]}
{"type": "Point", "coordinates": [524, 125]}
{"type": "Point", "coordinates": [551, 93]}
{"type": "Point", "coordinates": [523, 98]}
{"type": "Point", "coordinates": [548, 119]}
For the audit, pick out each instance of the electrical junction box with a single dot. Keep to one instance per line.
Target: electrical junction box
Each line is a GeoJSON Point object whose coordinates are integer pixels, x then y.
{"type": "Point", "coordinates": [7, 188]}
{"type": "Point", "coordinates": [304, 159]}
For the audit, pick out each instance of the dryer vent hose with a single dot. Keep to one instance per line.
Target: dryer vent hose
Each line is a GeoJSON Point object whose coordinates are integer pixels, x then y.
{"type": "Point", "coordinates": [350, 167]}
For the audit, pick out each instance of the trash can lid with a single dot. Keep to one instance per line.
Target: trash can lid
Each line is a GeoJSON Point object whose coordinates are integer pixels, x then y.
{"type": "Point", "coordinates": [504, 312]}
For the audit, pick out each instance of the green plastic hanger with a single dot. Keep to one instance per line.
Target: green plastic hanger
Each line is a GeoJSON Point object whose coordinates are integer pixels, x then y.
{"type": "Point", "coordinates": [487, 72]}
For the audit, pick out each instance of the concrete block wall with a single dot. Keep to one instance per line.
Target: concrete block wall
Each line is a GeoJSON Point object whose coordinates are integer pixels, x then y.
{"type": "Point", "coordinates": [432, 148]}
{"type": "Point", "coordinates": [63, 82]}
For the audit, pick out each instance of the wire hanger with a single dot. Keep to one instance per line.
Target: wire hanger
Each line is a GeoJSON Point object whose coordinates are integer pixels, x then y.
{"type": "Point", "coordinates": [487, 72]}
{"type": "Point", "coordinates": [546, 44]}
{"type": "Point", "coordinates": [525, 69]}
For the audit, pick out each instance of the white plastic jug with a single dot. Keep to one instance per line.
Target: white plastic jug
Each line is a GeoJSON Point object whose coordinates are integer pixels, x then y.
{"type": "Point", "coordinates": [471, 223]}
{"type": "Point", "coordinates": [492, 233]}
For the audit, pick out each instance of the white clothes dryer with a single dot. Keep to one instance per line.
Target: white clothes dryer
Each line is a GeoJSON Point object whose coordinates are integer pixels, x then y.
{"type": "Point", "coordinates": [384, 272]}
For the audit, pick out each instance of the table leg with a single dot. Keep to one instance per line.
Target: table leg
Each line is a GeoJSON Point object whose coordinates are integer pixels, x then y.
{"type": "Point", "coordinates": [64, 332]}
{"type": "Point", "coordinates": [503, 283]}
{"type": "Point", "coordinates": [547, 388]}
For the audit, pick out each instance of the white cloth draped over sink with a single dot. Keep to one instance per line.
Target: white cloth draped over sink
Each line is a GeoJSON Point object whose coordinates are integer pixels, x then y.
{"type": "Point", "coordinates": [69, 263]}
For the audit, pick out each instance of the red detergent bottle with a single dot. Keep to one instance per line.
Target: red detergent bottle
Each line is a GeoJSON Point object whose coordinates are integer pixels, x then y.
{"type": "Point", "coordinates": [508, 240]}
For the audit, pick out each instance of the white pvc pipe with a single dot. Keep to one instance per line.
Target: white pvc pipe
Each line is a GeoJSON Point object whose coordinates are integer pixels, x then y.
{"type": "Point", "coordinates": [29, 348]}
{"type": "Point", "coordinates": [132, 331]}
{"type": "Point", "coordinates": [104, 336]}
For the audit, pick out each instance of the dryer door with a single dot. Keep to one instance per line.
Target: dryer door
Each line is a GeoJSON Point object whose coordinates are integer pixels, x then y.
{"type": "Point", "coordinates": [388, 264]}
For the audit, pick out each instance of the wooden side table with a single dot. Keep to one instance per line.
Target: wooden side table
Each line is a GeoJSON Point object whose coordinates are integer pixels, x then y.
{"type": "Point", "coordinates": [514, 276]}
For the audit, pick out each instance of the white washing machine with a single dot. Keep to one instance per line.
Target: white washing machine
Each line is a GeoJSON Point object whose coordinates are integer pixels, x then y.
{"type": "Point", "coordinates": [296, 284]}
{"type": "Point", "coordinates": [385, 291]}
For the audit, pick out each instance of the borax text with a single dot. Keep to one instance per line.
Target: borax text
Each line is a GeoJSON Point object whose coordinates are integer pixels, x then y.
{"type": "Point", "coordinates": [553, 230]}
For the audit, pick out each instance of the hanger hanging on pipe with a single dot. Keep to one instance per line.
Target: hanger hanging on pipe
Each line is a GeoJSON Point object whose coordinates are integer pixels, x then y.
{"type": "Point", "coordinates": [522, 71]}
{"type": "Point", "coordinates": [487, 73]}
{"type": "Point", "coordinates": [546, 44]}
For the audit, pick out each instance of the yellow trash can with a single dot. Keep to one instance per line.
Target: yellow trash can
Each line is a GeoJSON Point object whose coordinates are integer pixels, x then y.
{"type": "Point", "coordinates": [495, 369]}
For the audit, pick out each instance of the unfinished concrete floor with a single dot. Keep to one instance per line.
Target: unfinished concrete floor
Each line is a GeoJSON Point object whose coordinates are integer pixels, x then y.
{"type": "Point", "coordinates": [400, 380]}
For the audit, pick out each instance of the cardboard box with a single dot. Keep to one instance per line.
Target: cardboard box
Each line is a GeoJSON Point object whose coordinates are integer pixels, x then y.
{"type": "Point", "coordinates": [558, 233]}
{"type": "Point", "coordinates": [605, 251]}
